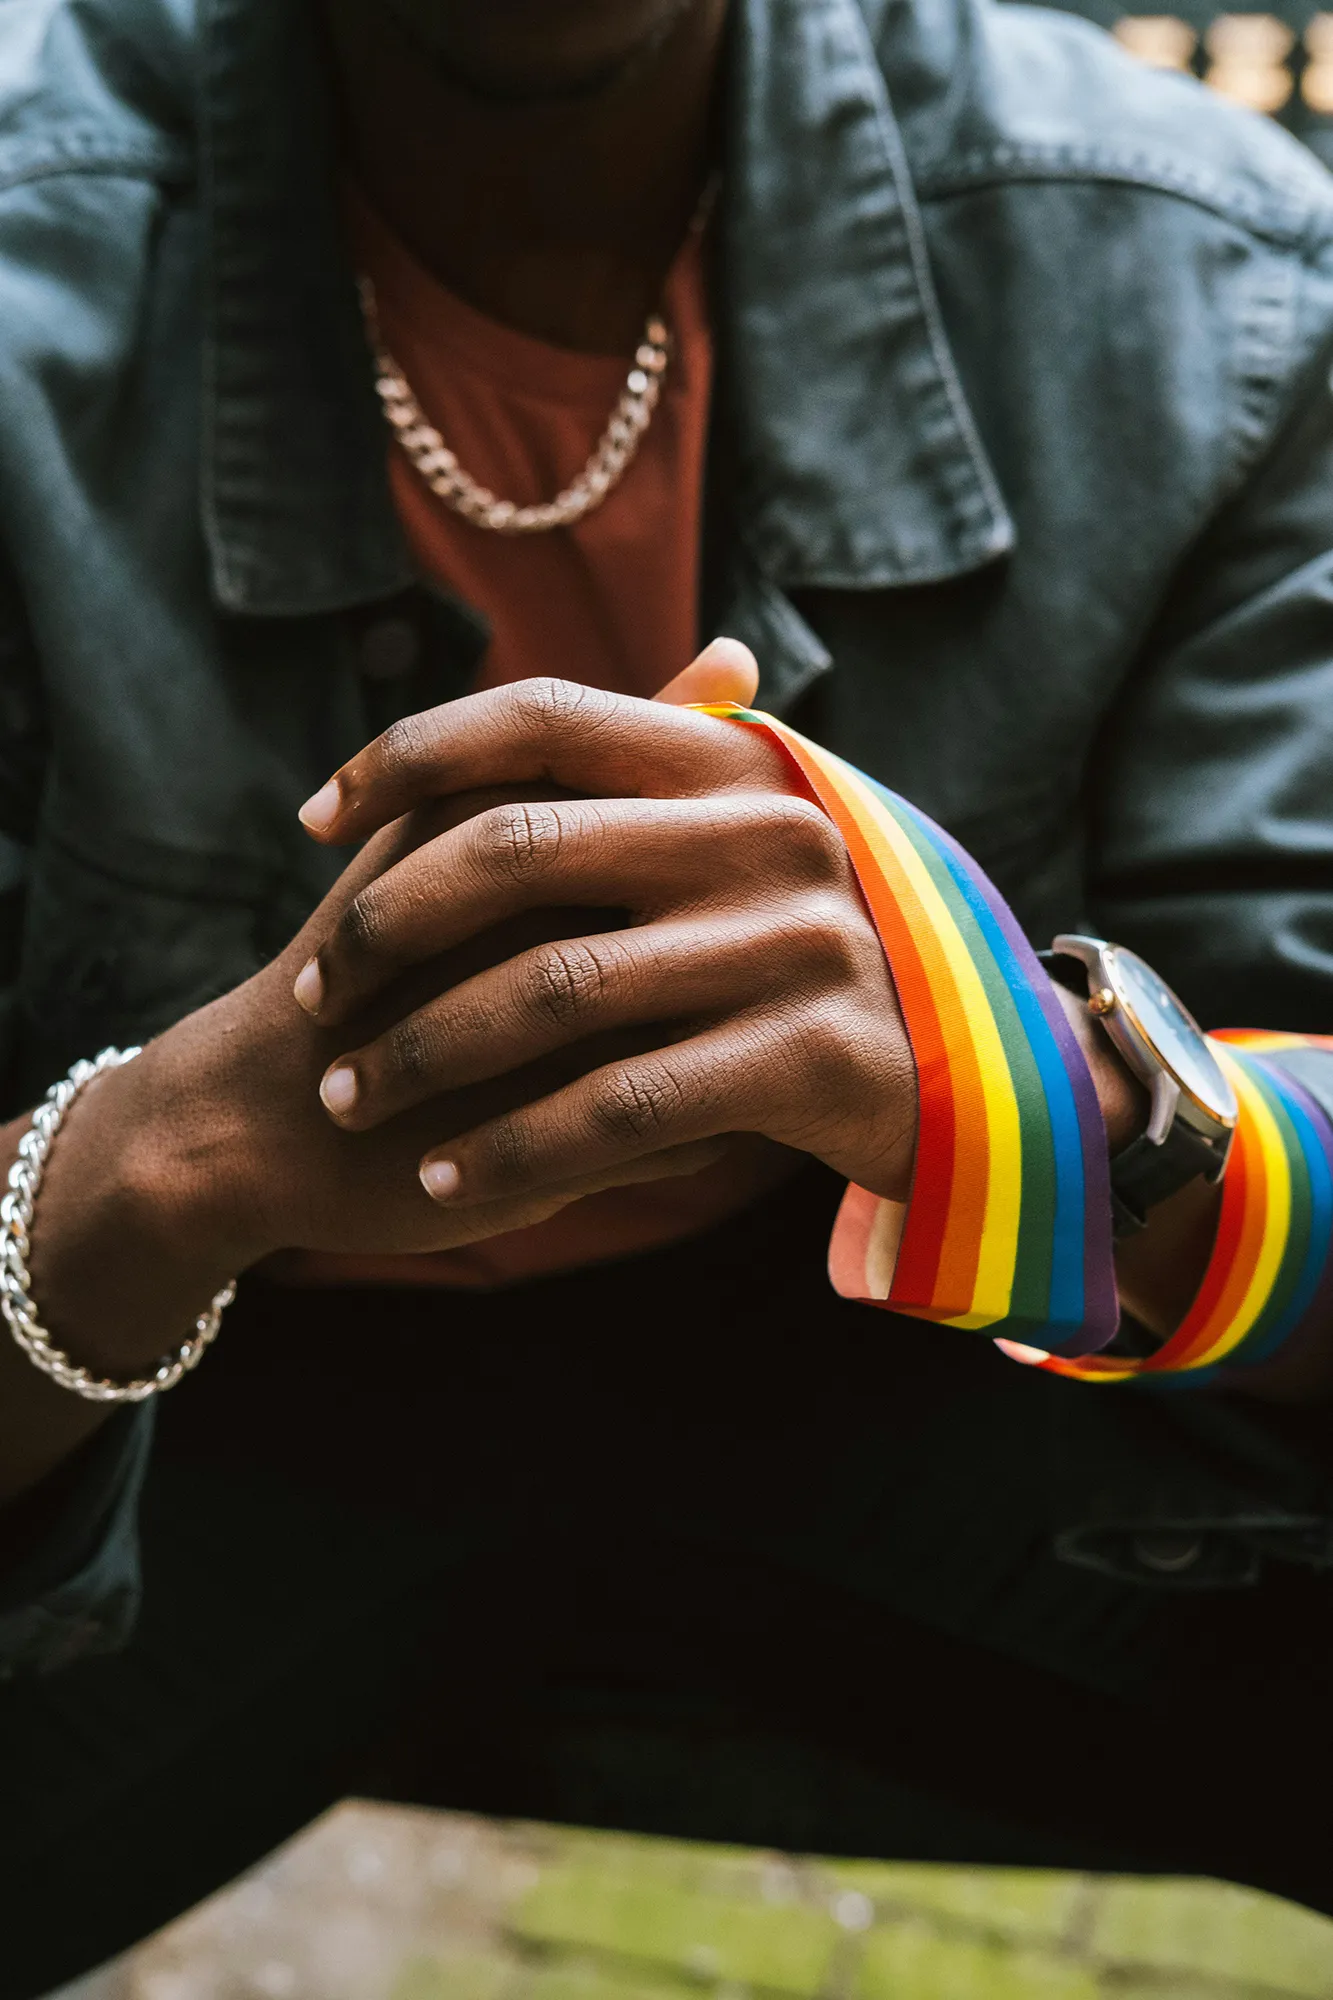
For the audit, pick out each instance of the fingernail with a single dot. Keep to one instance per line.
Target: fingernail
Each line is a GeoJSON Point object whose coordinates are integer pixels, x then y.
{"type": "Point", "coordinates": [338, 1091]}
{"type": "Point", "coordinates": [309, 988]}
{"type": "Point", "coordinates": [318, 813]}
{"type": "Point", "coordinates": [440, 1178]}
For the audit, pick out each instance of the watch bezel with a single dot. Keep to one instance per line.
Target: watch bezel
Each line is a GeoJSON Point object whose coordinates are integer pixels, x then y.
{"type": "Point", "coordinates": [1172, 1096]}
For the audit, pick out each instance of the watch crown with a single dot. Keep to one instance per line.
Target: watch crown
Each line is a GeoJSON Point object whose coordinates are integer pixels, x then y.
{"type": "Point", "coordinates": [1102, 1001]}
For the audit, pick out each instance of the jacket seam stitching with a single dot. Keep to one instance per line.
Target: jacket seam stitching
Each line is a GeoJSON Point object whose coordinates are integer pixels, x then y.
{"type": "Point", "coordinates": [971, 492]}
{"type": "Point", "coordinates": [1263, 355]}
{"type": "Point", "coordinates": [149, 164]}
{"type": "Point", "coordinates": [1016, 168]}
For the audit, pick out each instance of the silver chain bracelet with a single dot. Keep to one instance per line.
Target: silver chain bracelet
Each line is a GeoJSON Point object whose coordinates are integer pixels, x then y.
{"type": "Point", "coordinates": [16, 1301]}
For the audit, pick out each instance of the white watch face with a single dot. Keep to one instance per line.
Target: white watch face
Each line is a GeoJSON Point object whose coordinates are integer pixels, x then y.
{"type": "Point", "coordinates": [1172, 1033]}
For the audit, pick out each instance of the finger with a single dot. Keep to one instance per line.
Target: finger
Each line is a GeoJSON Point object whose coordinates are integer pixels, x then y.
{"type": "Point", "coordinates": [672, 1163]}
{"type": "Point", "coordinates": [644, 855]}
{"type": "Point", "coordinates": [724, 671]}
{"type": "Point", "coordinates": [565, 991]}
{"type": "Point", "coordinates": [394, 843]}
{"type": "Point", "coordinates": [541, 731]}
{"type": "Point", "coordinates": [500, 1218]}
{"type": "Point", "coordinates": [716, 1082]}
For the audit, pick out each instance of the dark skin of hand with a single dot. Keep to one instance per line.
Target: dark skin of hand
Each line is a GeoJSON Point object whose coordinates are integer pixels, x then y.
{"type": "Point", "coordinates": [748, 935]}
{"type": "Point", "coordinates": [542, 157]}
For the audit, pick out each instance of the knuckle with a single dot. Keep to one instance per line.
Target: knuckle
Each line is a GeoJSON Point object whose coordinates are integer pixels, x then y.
{"type": "Point", "coordinates": [409, 1051]}
{"type": "Point", "coordinates": [555, 711]}
{"type": "Point", "coordinates": [405, 742]}
{"type": "Point", "coordinates": [363, 930]}
{"type": "Point", "coordinates": [521, 840]}
{"type": "Point", "coordinates": [567, 983]}
{"type": "Point", "coordinates": [805, 831]}
{"type": "Point", "coordinates": [509, 1155]}
{"type": "Point", "coordinates": [550, 704]}
{"type": "Point", "coordinates": [635, 1105]}
{"type": "Point", "coordinates": [825, 936]}
{"type": "Point", "coordinates": [822, 1040]}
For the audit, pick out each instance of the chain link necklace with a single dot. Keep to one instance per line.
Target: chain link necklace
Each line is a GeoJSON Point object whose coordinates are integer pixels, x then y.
{"type": "Point", "coordinates": [616, 448]}
{"type": "Point", "coordinates": [452, 483]}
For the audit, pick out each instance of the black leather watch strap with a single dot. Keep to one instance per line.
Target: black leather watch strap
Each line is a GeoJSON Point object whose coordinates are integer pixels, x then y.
{"type": "Point", "coordinates": [1070, 973]}
{"type": "Point", "coordinates": [1144, 1174]}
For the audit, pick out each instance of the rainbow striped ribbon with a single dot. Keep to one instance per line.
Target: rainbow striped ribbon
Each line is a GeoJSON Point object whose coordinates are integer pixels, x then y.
{"type": "Point", "coordinates": [1009, 1221]}
{"type": "Point", "coordinates": [1270, 1276]}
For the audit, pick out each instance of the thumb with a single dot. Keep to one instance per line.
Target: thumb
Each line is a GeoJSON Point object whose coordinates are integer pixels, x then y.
{"type": "Point", "coordinates": [724, 671]}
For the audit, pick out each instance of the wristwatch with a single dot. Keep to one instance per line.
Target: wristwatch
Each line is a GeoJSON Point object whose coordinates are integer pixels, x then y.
{"type": "Point", "coordinates": [1194, 1109]}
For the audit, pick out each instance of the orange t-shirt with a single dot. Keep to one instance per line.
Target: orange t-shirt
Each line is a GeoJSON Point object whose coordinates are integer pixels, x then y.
{"type": "Point", "coordinates": [613, 601]}
{"type": "Point", "coordinates": [610, 602]}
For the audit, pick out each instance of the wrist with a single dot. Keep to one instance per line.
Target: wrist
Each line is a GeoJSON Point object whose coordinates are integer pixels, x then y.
{"type": "Point", "coordinates": [1124, 1102]}
{"type": "Point", "coordinates": [143, 1215]}
{"type": "Point", "coordinates": [193, 1144]}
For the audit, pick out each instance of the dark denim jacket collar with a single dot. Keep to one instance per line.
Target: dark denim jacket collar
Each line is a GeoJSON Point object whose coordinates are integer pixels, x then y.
{"type": "Point", "coordinates": [858, 461]}
{"type": "Point", "coordinates": [295, 503]}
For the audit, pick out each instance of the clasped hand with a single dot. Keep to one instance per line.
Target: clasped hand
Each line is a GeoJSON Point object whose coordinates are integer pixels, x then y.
{"type": "Point", "coordinates": [748, 951]}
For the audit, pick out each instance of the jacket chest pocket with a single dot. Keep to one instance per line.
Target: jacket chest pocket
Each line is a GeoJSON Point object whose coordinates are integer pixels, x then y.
{"type": "Point", "coordinates": [115, 957]}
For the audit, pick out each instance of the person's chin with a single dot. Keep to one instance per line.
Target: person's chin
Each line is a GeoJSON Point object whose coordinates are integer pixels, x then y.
{"type": "Point", "coordinates": [537, 48]}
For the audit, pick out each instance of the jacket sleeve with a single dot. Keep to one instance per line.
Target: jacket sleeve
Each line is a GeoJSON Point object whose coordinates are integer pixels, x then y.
{"type": "Point", "coordinates": [76, 1592]}
{"type": "Point", "coordinates": [23, 742]}
{"type": "Point", "coordinates": [1210, 843]}
{"type": "Point", "coordinates": [13, 877]}
{"type": "Point", "coordinates": [1210, 850]}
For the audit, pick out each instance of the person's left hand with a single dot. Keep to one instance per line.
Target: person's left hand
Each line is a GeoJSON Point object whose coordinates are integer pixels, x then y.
{"type": "Point", "coordinates": [749, 944]}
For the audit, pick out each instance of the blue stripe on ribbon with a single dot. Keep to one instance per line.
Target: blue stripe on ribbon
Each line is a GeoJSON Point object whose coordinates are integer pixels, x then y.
{"type": "Point", "coordinates": [1082, 1309]}
{"type": "Point", "coordinates": [1316, 1141]}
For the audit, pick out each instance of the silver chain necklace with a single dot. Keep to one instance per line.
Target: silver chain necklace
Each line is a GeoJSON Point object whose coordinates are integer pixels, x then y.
{"type": "Point", "coordinates": [452, 483]}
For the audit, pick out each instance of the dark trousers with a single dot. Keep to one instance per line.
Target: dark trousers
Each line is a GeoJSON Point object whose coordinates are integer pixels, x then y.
{"type": "Point", "coordinates": [683, 1544]}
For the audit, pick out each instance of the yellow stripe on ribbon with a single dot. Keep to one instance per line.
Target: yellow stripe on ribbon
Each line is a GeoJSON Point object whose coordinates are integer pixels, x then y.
{"type": "Point", "coordinates": [992, 1289]}
{"type": "Point", "coordinates": [1276, 1218]}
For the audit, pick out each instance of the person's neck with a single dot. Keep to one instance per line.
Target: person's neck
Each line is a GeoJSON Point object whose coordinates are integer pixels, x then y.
{"type": "Point", "coordinates": [558, 216]}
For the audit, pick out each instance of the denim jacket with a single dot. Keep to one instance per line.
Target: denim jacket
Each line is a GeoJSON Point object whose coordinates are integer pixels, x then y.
{"type": "Point", "coordinates": [1020, 486]}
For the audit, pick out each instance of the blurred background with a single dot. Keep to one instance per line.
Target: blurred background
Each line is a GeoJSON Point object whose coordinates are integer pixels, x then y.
{"type": "Point", "coordinates": [379, 1903]}
{"type": "Point", "coordinates": [375, 1903]}
{"type": "Point", "coordinates": [1279, 63]}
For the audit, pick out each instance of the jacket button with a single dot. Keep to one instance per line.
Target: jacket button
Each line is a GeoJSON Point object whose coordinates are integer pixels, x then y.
{"type": "Point", "coordinates": [1168, 1555]}
{"type": "Point", "coordinates": [389, 649]}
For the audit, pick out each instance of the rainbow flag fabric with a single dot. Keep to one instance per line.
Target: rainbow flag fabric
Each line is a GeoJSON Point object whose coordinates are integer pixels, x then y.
{"type": "Point", "coordinates": [1270, 1277]}
{"type": "Point", "coordinates": [1008, 1225]}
